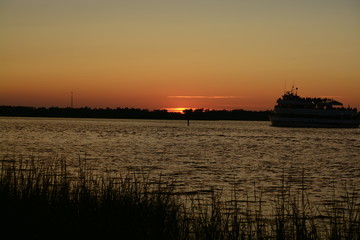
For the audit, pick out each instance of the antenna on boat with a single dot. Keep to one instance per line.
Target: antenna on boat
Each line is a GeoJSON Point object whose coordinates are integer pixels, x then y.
{"type": "Point", "coordinates": [294, 89]}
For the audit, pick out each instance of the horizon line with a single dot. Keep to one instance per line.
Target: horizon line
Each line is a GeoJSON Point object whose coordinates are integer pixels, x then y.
{"type": "Point", "coordinates": [149, 109]}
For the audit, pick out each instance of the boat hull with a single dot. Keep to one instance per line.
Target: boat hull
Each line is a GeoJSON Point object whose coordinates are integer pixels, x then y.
{"type": "Point", "coordinates": [298, 121]}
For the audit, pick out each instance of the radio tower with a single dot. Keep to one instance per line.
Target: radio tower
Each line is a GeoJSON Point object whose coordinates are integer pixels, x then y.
{"type": "Point", "coordinates": [72, 100]}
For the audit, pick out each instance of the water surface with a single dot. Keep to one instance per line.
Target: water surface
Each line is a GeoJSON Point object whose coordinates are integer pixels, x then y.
{"type": "Point", "coordinates": [203, 156]}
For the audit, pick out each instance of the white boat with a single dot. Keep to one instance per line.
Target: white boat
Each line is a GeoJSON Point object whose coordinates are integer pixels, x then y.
{"type": "Point", "coordinates": [292, 110]}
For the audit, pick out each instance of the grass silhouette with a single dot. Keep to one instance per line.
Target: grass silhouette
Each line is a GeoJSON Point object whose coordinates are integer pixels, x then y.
{"type": "Point", "coordinates": [49, 200]}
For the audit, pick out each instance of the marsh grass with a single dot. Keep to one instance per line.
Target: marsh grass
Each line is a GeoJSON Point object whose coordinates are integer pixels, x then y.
{"type": "Point", "coordinates": [48, 199]}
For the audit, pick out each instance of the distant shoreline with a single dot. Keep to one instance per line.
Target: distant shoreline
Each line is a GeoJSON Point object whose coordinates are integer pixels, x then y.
{"type": "Point", "coordinates": [132, 113]}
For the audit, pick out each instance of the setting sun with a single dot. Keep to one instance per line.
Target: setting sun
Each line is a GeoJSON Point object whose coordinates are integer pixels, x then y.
{"type": "Point", "coordinates": [176, 110]}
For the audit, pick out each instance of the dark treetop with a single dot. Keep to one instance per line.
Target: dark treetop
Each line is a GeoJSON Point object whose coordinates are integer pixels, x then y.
{"type": "Point", "coordinates": [132, 113]}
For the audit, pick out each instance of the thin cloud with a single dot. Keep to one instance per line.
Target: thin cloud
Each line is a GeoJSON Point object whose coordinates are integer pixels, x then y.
{"type": "Point", "coordinates": [331, 96]}
{"type": "Point", "coordinates": [204, 97]}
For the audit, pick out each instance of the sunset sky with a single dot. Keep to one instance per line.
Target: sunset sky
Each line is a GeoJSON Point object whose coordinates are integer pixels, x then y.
{"type": "Point", "coordinates": [155, 54]}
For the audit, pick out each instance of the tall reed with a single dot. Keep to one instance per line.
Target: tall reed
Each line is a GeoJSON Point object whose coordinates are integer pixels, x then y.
{"type": "Point", "coordinates": [49, 199]}
{"type": "Point", "coordinates": [46, 201]}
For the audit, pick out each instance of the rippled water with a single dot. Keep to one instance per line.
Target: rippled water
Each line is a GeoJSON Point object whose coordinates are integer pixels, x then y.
{"type": "Point", "coordinates": [205, 155]}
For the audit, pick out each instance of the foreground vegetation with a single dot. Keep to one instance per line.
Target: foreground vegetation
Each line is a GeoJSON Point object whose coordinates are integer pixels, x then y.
{"type": "Point", "coordinates": [49, 200]}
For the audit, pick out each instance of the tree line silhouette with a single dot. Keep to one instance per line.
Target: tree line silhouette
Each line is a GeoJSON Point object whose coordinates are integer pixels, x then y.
{"type": "Point", "coordinates": [132, 113]}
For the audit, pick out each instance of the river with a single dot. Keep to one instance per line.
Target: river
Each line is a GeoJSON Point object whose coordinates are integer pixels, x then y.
{"type": "Point", "coordinates": [207, 155]}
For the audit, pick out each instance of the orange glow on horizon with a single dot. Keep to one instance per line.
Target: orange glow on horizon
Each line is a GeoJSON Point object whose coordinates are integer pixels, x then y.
{"type": "Point", "coordinates": [177, 110]}
{"type": "Point", "coordinates": [145, 54]}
